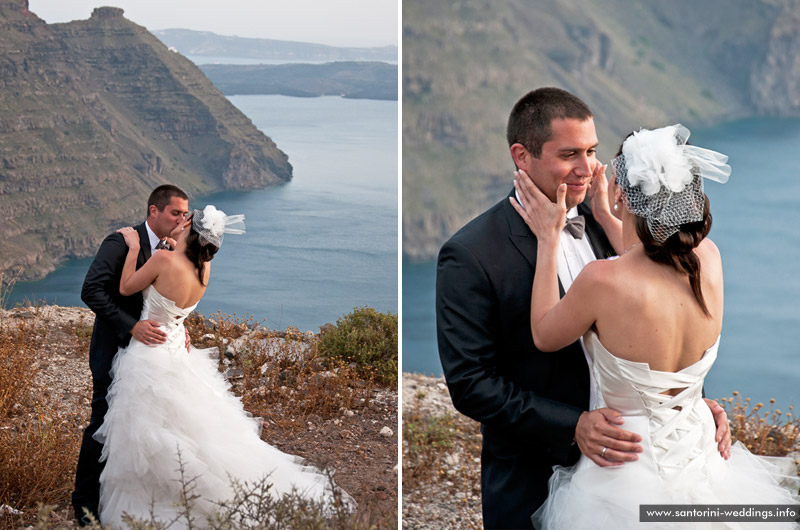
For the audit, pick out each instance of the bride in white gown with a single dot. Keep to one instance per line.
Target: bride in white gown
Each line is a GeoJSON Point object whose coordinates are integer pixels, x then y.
{"type": "Point", "coordinates": [165, 402]}
{"type": "Point", "coordinates": [651, 323]}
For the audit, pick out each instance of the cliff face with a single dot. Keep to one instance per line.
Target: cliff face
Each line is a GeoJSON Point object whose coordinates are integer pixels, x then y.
{"type": "Point", "coordinates": [636, 64]}
{"type": "Point", "coordinates": [775, 81]}
{"type": "Point", "coordinates": [93, 115]}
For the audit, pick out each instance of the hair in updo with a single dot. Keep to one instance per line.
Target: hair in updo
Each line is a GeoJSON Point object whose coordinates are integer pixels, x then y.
{"type": "Point", "coordinates": [677, 250]}
{"type": "Point", "coordinates": [198, 252]}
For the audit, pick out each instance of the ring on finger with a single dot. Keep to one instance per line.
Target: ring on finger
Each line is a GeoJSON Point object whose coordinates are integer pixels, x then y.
{"type": "Point", "coordinates": [603, 453]}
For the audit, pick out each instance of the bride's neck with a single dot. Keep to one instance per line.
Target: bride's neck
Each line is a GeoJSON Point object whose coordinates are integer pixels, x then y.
{"type": "Point", "coordinates": [629, 236]}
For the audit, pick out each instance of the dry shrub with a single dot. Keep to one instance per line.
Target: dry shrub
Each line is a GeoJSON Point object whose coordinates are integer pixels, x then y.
{"type": "Point", "coordinates": [7, 281]}
{"type": "Point", "coordinates": [38, 448]}
{"type": "Point", "coordinates": [285, 379]}
{"type": "Point", "coordinates": [37, 462]}
{"type": "Point", "coordinates": [763, 432]}
{"type": "Point", "coordinates": [366, 338]}
{"type": "Point", "coordinates": [281, 375]}
{"type": "Point", "coordinates": [428, 439]}
{"type": "Point", "coordinates": [252, 506]}
{"type": "Point", "coordinates": [19, 343]}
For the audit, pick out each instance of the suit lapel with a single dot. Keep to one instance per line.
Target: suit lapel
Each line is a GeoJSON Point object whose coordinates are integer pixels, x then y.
{"type": "Point", "coordinates": [144, 243]}
{"type": "Point", "coordinates": [522, 237]}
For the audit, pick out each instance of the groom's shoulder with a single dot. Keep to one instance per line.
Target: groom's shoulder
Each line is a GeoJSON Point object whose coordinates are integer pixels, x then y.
{"type": "Point", "coordinates": [115, 239]}
{"type": "Point", "coordinates": [490, 224]}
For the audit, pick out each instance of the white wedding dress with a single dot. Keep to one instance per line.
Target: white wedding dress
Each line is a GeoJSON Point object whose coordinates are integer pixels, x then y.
{"type": "Point", "coordinates": [164, 399]}
{"type": "Point", "coordinates": [680, 463]}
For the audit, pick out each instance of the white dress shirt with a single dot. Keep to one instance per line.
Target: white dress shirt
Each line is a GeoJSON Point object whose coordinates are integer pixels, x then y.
{"type": "Point", "coordinates": [573, 256]}
{"type": "Point", "coordinates": [153, 238]}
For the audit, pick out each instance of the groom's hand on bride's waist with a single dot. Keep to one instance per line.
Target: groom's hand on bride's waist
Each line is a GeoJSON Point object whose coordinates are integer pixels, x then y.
{"type": "Point", "coordinates": [599, 438]}
{"type": "Point", "coordinates": [147, 332]}
{"type": "Point", "coordinates": [723, 435]}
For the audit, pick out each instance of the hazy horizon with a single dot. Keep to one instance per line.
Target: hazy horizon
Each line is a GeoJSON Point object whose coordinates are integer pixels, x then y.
{"type": "Point", "coordinates": [348, 23]}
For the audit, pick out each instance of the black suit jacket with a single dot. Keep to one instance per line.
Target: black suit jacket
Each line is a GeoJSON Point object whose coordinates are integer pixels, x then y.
{"type": "Point", "coordinates": [527, 401]}
{"type": "Point", "coordinates": [115, 314]}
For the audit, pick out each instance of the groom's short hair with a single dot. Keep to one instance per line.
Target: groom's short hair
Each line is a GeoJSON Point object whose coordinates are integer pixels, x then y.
{"type": "Point", "coordinates": [162, 195]}
{"type": "Point", "coordinates": [530, 120]}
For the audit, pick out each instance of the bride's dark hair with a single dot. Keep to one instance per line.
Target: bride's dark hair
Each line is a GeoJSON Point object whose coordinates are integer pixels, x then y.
{"type": "Point", "coordinates": [199, 253]}
{"type": "Point", "coordinates": [678, 249]}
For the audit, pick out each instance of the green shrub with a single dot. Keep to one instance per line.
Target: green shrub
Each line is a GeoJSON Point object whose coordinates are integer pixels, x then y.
{"type": "Point", "coordinates": [368, 339]}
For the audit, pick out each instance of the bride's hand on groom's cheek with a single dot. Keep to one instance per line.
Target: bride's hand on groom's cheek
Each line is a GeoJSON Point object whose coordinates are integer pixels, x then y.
{"type": "Point", "coordinates": [599, 438]}
{"type": "Point", "coordinates": [544, 217]}
{"type": "Point", "coordinates": [598, 191]}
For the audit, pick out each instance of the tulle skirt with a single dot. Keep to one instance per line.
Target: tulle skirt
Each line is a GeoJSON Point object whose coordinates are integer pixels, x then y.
{"type": "Point", "coordinates": [172, 420]}
{"type": "Point", "coordinates": [587, 496]}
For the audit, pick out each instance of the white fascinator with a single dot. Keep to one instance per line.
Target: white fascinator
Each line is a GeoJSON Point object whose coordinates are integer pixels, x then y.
{"type": "Point", "coordinates": [663, 177]}
{"type": "Point", "coordinates": [211, 224]}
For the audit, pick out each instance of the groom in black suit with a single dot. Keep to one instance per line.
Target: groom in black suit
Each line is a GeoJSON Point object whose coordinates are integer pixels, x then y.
{"type": "Point", "coordinates": [532, 405]}
{"type": "Point", "coordinates": [116, 321]}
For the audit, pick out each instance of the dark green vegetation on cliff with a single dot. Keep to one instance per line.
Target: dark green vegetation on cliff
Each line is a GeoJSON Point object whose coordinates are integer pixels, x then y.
{"type": "Point", "coordinates": [205, 43]}
{"type": "Point", "coordinates": [93, 115]}
{"type": "Point", "coordinates": [636, 64]}
{"type": "Point", "coordinates": [350, 79]}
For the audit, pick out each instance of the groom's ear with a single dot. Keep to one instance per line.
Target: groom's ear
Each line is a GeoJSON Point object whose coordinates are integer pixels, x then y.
{"type": "Point", "coordinates": [521, 156]}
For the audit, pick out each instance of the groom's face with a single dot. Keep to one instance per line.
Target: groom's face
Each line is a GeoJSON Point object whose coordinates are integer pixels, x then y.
{"type": "Point", "coordinates": [163, 222]}
{"type": "Point", "coordinates": [568, 157]}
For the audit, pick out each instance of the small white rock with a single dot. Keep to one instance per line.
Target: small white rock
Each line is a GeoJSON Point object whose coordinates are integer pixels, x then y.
{"type": "Point", "coordinates": [386, 432]}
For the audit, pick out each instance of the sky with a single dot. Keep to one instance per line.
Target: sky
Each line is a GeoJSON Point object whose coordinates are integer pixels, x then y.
{"type": "Point", "coordinates": [350, 23]}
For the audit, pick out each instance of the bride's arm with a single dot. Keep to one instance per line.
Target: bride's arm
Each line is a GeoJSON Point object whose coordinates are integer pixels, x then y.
{"type": "Point", "coordinates": [554, 323]}
{"type": "Point", "coordinates": [132, 280]}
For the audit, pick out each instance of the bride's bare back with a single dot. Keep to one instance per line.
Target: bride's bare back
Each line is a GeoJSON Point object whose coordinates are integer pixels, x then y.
{"type": "Point", "coordinates": [172, 273]}
{"type": "Point", "coordinates": [178, 278]}
{"type": "Point", "coordinates": [647, 312]}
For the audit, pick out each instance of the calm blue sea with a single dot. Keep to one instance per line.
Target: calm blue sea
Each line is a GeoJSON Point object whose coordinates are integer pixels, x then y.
{"type": "Point", "coordinates": [757, 228]}
{"type": "Point", "coordinates": [316, 247]}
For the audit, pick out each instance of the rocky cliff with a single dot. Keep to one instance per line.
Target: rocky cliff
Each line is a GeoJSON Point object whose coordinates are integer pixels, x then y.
{"type": "Point", "coordinates": [637, 64]}
{"type": "Point", "coordinates": [93, 115]}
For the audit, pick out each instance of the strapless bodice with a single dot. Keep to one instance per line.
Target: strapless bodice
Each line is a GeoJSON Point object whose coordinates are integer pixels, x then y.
{"type": "Point", "coordinates": [677, 427]}
{"type": "Point", "coordinates": [632, 388]}
{"type": "Point", "coordinates": [164, 311]}
{"type": "Point", "coordinates": [679, 463]}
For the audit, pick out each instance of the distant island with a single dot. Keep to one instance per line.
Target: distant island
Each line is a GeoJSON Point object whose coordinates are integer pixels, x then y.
{"type": "Point", "coordinates": [356, 80]}
{"type": "Point", "coordinates": [205, 43]}
{"type": "Point", "coordinates": [95, 114]}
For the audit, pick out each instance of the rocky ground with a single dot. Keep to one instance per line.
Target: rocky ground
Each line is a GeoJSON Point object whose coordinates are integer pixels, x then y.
{"type": "Point", "coordinates": [441, 459]}
{"type": "Point", "coordinates": [360, 444]}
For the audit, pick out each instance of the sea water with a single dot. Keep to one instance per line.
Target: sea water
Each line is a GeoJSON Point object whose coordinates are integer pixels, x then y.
{"type": "Point", "coordinates": [315, 248]}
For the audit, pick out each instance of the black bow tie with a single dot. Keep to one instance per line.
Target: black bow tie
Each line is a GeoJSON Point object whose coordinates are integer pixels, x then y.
{"type": "Point", "coordinates": [162, 245]}
{"type": "Point", "coordinates": [576, 226]}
